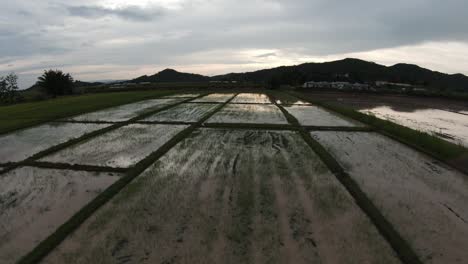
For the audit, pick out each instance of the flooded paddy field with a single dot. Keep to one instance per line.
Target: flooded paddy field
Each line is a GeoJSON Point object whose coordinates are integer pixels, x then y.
{"type": "Point", "coordinates": [286, 99]}
{"type": "Point", "coordinates": [188, 95]}
{"type": "Point", "coordinates": [425, 201]}
{"type": "Point", "coordinates": [249, 113]}
{"type": "Point", "coordinates": [444, 118]}
{"type": "Point", "coordinates": [126, 112]}
{"type": "Point", "coordinates": [34, 202]}
{"type": "Point", "coordinates": [447, 125]}
{"type": "Point", "coordinates": [247, 198]}
{"type": "Point", "coordinates": [120, 148]}
{"type": "Point", "coordinates": [247, 194]}
{"type": "Point", "coordinates": [214, 98]}
{"type": "Point", "coordinates": [187, 112]}
{"type": "Point", "coordinates": [19, 145]}
{"type": "Point", "coordinates": [251, 98]}
{"type": "Point", "coordinates": [315, 116]}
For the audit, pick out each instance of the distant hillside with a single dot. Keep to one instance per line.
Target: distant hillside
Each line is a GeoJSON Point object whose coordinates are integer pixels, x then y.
{"type": "Point", "coordinates": [351, 70]}
{"type": "Point", "coordinates": [355, 70]}
{"type": "Point", "coordinates": [170, 75]}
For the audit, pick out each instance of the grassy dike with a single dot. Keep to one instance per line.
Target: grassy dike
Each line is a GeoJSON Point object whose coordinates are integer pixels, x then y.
{"type": "Point", "coordinates": [450, 153]}
{"type": "Point", "coordinates": [24, 115]}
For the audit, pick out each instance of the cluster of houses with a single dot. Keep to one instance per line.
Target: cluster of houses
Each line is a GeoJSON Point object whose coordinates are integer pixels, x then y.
{"type": "Point", "coordinates": [362, 86]}
{"type": "Point", "coordinates": [337, 85]}
{"type": "Point", "coordinates": [127, 84]}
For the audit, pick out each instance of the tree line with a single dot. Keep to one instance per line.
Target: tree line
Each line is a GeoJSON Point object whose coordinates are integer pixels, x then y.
{"type": "Point", "coordinates": [53, 83]}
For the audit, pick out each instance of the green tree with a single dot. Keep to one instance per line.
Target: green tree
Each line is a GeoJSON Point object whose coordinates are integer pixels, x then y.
{"type": "Point", "coordinates": [9, 88]}
{"type": "Point", "coordinates": [56, 82]}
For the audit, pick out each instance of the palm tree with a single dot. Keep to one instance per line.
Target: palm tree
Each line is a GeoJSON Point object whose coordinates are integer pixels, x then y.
{"type": "Point", "coordinates": [56, 82]}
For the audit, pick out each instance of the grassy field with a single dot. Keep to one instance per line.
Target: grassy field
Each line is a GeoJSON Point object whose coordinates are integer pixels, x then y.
{"type": "Point", "coordinates": [28, 114]}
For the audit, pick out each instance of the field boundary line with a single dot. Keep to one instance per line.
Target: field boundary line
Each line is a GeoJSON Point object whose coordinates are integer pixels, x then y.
{"type": "Point", "coordinates": [60, 234]}
{"type": "Point", "coordinates": [86, 122]}
{"type": "Point", "coordinates": [164, 122]}
{"type": "Point", "coordinates": [241, 103]}
{"type": "Point", "coordinates": [74, 167]}
{"type": "Point", "coordinates": [256, 126]}
{"type": "Point", "coordinates": [338, 128]}
{"type": "Point", "coordinates": [401, 247]}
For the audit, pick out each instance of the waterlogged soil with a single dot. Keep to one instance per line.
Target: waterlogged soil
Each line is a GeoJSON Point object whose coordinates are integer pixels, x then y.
{"type": "Point", "coordinates": [122, 148]}
{"type": "Point", "coordinates": [425, 201]}
{"type": "Point", "coordinates": [315, 116]}
{"type": "Point", "coordinates": [22, 144]}
{"type": "Point", "coordinates": [249, 114]}
{"type": "Point", "coordinates": [214, 98]}
{"type": "Point", "coordinates": [126, 112]}
{"type": "Point", "coordinates": [251, 98]}
{"type": "Point", "coordinates": [230, 196]}
{"type": "Point", "coordinates": [189, 112]}
{"type": "Point", "coordinates": [450, 126]}
{"type": "Point", "coordinates": [34, 202]}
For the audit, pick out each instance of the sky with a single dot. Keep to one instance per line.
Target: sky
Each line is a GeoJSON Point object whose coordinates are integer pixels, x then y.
{"type": "Point", "coordinates": [117, 39]}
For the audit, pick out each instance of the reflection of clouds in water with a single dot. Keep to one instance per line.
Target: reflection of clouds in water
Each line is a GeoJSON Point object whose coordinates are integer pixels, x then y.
{"type": "Point", "coordinates": [453, 125]}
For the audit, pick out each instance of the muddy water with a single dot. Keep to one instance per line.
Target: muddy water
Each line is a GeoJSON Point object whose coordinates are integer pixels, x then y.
{"type": "Point", "coordinates": [22, 144]}
{"type": "Point", "coordinates": [34, 202]}
{"type": "Point", "coordinates": [126, 112]}
{"type": "Point", "coordinates": [425, 201]}
{"type": "Point", "coordinates": [251, 98]}
{"type": "Point", "coordinates": [190, 112]}
{"type": "Point", "coordinates": [249, 114]}
{"type": "Point", "coordinates": [121, 148]}
{"type": "Point", "coordinates": [315, 116]}
{"type": "Point", "coordinates": [447, 125]}
{"type": "Point", "coordinates": [214, 98]}
{"type": "Point", "coordinates": [225, 196]}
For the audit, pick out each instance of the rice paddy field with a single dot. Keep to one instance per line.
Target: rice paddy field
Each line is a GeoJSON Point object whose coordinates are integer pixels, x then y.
{"type": "Point", "coordinates": [224, 178]}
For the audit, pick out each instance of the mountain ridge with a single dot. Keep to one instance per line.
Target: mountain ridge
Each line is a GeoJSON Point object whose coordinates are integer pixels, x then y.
{"type": "Point", "coordinates": [349, 69]}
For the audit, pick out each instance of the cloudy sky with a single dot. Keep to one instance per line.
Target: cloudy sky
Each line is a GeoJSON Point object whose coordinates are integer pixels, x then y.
{"type": "Point", "coordinates": [120, 39]}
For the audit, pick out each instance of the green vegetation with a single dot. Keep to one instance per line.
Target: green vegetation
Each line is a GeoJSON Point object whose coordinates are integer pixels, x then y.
{"type": "Point", "coordinates": [9, 88]}
{"type": "Point", "coordinates": [56, 83]}
{"type": "Point", "coordinates": [23, 115]}
{"type": "Point", "coordinates": [448, 152]}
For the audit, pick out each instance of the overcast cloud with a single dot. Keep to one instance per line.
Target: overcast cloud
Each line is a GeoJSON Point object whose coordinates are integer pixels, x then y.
{"type": "Point", "coordinates": [117, 39]}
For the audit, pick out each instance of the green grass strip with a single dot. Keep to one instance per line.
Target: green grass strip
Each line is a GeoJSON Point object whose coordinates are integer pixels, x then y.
{"type": "Point", "coordinates": [51, 242]}
{"type": "Point", "coordinates": [452, 154]}
{"type": "Point", "coordinates": [77, 167]}
{"type": "Point", "coordinates": [386, 229]}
